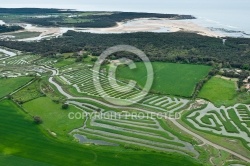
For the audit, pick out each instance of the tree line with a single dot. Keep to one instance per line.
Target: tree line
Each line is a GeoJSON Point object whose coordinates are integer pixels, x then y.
{"type": "Point", "coordinates": [4, 28]}
{"type": "Point", "coordinates": [170, 47]}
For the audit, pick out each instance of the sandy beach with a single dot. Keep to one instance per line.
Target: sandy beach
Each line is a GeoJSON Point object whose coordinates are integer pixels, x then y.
{"type": "Point", "coordinates": [157, 25]}
{"type": "Point", "coordinates": [43, 30]}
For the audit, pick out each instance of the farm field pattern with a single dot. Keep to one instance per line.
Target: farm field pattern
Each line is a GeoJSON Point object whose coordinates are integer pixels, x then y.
{"type": "Point", "coordinates": [76, 80]}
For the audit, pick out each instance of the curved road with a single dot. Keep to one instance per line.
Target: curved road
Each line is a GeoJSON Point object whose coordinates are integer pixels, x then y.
{"type": "Point", "coordinates": [55, 72]}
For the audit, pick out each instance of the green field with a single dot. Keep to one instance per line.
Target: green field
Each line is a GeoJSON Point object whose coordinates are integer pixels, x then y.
{"type": "Point", "coordinates": [54, 118]}
{"type": "Point", "coordinates": [25, 143]}
{"type": "Point", "coordinates": [64, 62]}
{"type": "Point", "coordinates": [169, 78]}
{"type": "Point", "coordinates": [11, 84]}
{"type": "Point", "coordinates": [219, 91]}
{"type": "Point", "coordinates": [30, 92]}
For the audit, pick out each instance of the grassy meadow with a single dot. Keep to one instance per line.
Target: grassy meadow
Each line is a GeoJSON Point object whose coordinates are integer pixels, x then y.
{"type": "Point", "coordinates": [169, 78]}
{"type": "Point", "coordinates": [64, 62]}
{"type": "Point", "coordinates": [11, 84]}
{"type": "Point", "coordinates": [55, 119]}
{"type": "Point", "coordinates": [30, 92]}
{"type": "Point", "coordinates": [219, 91]}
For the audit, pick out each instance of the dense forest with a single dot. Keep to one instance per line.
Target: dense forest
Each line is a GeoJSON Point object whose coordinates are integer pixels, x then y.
{"type": "Point", "coordinates": [4, 28]}
{"type": "Point", "coordinates": [172, 47]}
{"type": "Point", "coordinates": [59, 21]}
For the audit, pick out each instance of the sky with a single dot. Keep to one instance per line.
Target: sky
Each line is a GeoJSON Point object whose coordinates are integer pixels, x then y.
{"type": "Point", "coordinates": [163, 6]}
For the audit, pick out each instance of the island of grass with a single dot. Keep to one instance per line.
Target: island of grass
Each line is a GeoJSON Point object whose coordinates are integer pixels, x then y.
{"type": "Point", "coordinates": [169, 78]}
{"type": "Point", "coordinates": [220, 91]}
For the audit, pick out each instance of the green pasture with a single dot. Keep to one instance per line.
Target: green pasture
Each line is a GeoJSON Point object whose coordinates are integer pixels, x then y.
{"type": "Point", "coordinates": [9, 85]}
{"type": "Point", "coordinates": [64, 62]}
{"type": "Point", "coordinates": [219, 91]}
{"type": "Point", "coordinates": [30, 92]}
{"type": "Point", "coordinates": [55, 119]}
{"type": "Point", "coordinates": [169, 78]}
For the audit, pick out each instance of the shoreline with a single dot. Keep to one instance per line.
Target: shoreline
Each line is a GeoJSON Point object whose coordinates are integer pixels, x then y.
{"type": "Point", "coordinates": [159, 25]}
{"type": "Point", "coordinates": [156, 25]}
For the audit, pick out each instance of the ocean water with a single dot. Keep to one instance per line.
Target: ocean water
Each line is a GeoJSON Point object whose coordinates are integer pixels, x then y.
{"type": "Point", "coordinates": [227, 14]}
